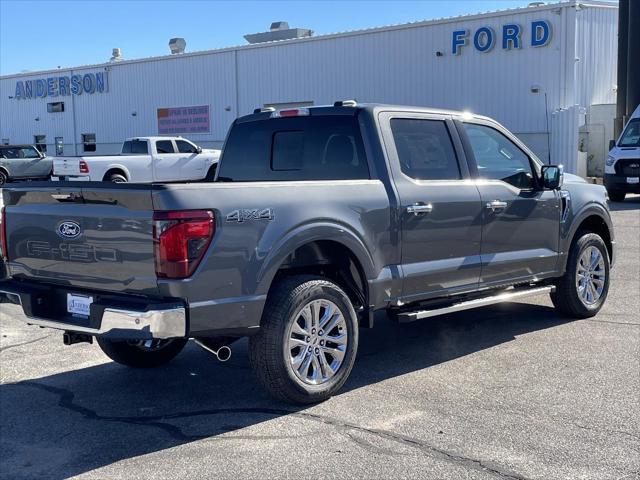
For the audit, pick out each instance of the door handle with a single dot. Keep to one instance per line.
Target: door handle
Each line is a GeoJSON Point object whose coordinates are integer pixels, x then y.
{"type": "Point", "coordinates": [418, 209]}
{"type": "Point", "coordinates": [496, 205]}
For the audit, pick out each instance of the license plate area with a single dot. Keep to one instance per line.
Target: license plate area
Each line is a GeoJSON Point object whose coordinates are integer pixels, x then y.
{"type": "Point", "coordinates": [633, 179]}
{"type": "Point", "coordinates": [79, 305]}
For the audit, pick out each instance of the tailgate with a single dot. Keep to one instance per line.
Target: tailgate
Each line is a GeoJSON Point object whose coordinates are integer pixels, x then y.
{"type": "Point", "coordinates": [98, 237]}
{"type": "Point", "coordinates": [66, 166]}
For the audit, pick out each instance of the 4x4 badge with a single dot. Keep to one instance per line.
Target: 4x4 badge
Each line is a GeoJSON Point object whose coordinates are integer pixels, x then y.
{"type": "Point", "coordinates": [244, 214]}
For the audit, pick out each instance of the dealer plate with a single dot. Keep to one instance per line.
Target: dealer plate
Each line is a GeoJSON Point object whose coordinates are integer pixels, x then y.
{"type": "Point", "coordinates": [79, 304]}
{"type": "Point", "coordinates": [633, 179]}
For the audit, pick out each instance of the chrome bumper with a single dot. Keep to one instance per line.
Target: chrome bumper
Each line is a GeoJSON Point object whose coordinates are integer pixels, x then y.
{"type": "Point", "coordinates": [131, 324]}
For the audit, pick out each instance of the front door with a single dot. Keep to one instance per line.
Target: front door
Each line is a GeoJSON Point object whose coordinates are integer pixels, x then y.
{"type": "Point", "coordinates": [191, 162]}
{"type": "Point", "coordinates": [439, 208]}
{"type": "Point", "coordinates": [521, 222]}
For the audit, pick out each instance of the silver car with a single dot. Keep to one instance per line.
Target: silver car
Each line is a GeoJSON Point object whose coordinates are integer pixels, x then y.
{"type": "Point", "coordinates": [22, 162]}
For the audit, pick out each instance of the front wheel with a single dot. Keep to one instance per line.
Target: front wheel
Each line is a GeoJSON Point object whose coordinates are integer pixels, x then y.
{"type": "Point", "coordinates": [142, 353]}
{"type": "Point", "coordinates": [307, 342]}
{"type": "Point", "coordinates": [3, 179]}
{"type": "Point", "coordinates": [582, 290]}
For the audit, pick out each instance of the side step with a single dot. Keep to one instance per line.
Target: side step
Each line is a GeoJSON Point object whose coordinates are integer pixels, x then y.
{"type": "Point", "coordinates": [514, 294]}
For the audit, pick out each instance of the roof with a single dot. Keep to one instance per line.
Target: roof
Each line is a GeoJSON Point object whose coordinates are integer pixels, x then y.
{"type": "Point", "coordinates": [365, 31]}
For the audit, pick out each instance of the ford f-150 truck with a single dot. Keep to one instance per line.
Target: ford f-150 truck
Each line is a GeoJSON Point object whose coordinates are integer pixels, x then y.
{"type": "Point", "coordinates": [143, 160]}
{"type": "Point", "coordinates": [318, 218]}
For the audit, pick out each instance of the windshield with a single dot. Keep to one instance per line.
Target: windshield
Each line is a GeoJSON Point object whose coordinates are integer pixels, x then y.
{"type": "Point", "coordinates": [631, 135]}
{"type": "Point", "coordinates": [19, 152]}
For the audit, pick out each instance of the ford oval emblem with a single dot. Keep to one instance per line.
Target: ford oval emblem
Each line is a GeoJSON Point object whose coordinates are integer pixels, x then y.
{"type": "Point", "coordinates": [69, 229]}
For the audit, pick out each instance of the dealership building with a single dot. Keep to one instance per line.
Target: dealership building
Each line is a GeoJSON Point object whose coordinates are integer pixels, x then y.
{"type": "Point", "coordinates": [546, 71]}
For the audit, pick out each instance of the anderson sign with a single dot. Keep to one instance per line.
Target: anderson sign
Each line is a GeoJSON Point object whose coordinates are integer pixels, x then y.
{"type": "Point", "coordinates": [485, 38]}
{"type": "Point", "coordinates": [87, 83]}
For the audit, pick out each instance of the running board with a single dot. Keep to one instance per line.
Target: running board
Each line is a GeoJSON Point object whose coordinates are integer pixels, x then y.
{"type": "Point", "coordinates": [407, 317]}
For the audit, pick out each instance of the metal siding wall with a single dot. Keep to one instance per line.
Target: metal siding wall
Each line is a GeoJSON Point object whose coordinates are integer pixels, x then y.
{"type": "Point", "coordinates": [400, 66]}
{"type": "Point", "coordinates": [564, 138]}
{"type": "Point", "coordinates": [597, 51]}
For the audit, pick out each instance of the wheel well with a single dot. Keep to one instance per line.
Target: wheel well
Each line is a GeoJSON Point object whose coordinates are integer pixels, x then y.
{"type": "Point", "coordinates": [595, 224]}
{"type": "Point", "coordinates": [111, 171]}
{"type": "Point", "coordinates": [5, 171]}
{"type": "Point", "coordinates": [334, 261]}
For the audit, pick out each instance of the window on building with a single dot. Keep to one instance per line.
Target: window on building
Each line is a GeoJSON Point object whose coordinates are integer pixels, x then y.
{"type": "Point", "coordinates": [498, 158]}
{"type": "Point", "coordinates": [40, 142]}
{"type": "Point", "coordinates": [135, 147]}
{"type": "Point", "coordinates": [424, 149]}
{"type": "Point", "coordinates": [55, 107]}
{"type": "Point", "coordinates": [164, 146]}
{"type": "Point", "coordinates": [89, 142]}
{"type": "Point", "coordinates": [5, 141]}
{"type": "Point", "coordinates": [279, 106]}
{"type": "Point", "coordinates": [186, 147]}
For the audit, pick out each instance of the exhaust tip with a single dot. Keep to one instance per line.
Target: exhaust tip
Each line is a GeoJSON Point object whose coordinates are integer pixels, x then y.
{"type": "Point", "coordinates": [224, 353]}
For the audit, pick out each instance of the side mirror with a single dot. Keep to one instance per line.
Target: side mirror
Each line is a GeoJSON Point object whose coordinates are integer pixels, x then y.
{"type": "Point", "coordinates": [552, 176]}
{"type": "Point", "coordinates": [199, 150]}
{"type": "Point", "coordinates": [612, 143]}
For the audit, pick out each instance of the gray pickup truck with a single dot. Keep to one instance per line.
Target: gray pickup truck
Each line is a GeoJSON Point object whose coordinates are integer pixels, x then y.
{"type": "Point", "coordinates": [317, 219]}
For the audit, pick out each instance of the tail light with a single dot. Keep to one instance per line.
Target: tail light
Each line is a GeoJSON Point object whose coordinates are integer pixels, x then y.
{"type": "Point", "coordinates": [84, 168]}
{"type": "Point", "coordinates": [3, 235]}
{"type": "Point", "coordinates": [290, 112]}
{"type": "Point", "coordinates": [181, 239]}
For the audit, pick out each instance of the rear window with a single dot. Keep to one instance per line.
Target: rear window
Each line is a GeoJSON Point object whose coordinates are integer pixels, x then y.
{"type": "Point", "coordinates": [300, 148]}
{"type": "Point", "coordinates": [135, 147]}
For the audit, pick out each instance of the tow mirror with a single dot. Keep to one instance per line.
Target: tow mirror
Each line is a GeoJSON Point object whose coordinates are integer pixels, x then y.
{"type": "Point", "coordinates": [612, 143]}
{"type": "Point", "coordinates": [552, 176]}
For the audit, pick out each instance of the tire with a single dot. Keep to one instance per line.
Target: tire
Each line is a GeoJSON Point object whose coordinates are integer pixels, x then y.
{"type": "Point", "coordinates": [136, 355]}
{"type": "Point", "coordinates": [271, 353]}
{"type": "Point", "coordinates": [616, 195]}
{"type": "Point", "coordinates": [4, 179]}
{"type": "Point", "coordinates": [117, 178]}
{"type": "Point", "coordinates": [567, 298]}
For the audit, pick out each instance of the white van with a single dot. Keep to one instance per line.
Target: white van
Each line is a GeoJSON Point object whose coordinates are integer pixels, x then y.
{"type": "Point", "coordinates": [622, 168]}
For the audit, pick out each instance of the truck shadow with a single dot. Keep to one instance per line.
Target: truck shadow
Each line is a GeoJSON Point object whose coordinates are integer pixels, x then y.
{"type": "Point", "coordinates": [632, 202]}
{"type": "Point", "coordinates": [71, 423]}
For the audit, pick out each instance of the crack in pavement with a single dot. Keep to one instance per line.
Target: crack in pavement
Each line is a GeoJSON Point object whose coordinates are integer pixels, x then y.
{"type": "Point", "coordinates": [2, 349]}
{"type": "Point", "coordinates": [160, 421]}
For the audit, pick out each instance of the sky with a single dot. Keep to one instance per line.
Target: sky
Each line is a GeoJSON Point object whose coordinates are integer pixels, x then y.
{"type": "Point", "coordinates": [46, 34]}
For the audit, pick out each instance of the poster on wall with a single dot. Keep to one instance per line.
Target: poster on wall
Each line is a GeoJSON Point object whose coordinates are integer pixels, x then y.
{"type": "Point", "coordinates": [176, 120]}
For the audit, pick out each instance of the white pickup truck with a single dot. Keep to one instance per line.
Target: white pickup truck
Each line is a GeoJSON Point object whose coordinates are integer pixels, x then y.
{"type": "Point", "coordinates": [143, 160]}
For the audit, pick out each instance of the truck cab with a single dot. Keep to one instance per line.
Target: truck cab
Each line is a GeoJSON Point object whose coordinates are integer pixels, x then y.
{"type": "Point", "coordinates": [622, 168]}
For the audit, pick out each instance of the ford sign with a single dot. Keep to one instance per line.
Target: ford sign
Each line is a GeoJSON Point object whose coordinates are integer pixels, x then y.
{"type": "Point", "coordinates": [69, 229]}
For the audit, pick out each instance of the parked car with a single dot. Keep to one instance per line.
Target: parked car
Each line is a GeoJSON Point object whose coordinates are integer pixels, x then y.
{"type": "Point", "coordinates": [318, 218]}
{"type": "Point", "coordinates": [143, 160]}
{"type": "Point", "coordinates": [23, 162]}
{"type": "Point", "coordinates": [622, 168]}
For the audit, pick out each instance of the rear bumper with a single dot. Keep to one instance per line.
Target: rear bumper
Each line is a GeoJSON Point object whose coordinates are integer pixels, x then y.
{"type": "Point", "coordinates": [619, 183]}
{"type": "Point", "coordinates": [110, 316]}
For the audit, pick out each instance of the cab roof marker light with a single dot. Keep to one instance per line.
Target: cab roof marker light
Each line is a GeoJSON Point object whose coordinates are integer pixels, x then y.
{"type": "Point", "coordinates": [290, 112]}
{"type": "Point", "coordinates": [345, 103]}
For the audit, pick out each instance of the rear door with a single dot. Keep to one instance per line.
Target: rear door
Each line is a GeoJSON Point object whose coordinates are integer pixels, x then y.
{"type": "Point", "coordinates": [520, 222]}
{"type": "Point", "coordinates": [166, 161]}
{"type": "Point", "coordinates": [440, 207]}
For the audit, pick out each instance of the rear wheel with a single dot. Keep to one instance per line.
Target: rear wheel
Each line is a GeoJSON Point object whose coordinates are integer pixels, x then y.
{"type": "Point", "coordinates": [142, 353]}
{"type": "Point", "coordinates": [583, 289]}
{"type": "Point", "coordinates": [616, 195]}
{"type": "Point", "coordinates": [116, 177]}
{"type": "Point", "coordinates": [307, 342]}
{"type": "Point", "coordinates": [3, 178]}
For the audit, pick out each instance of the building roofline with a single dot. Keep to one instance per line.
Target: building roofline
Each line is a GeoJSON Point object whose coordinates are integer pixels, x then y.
{"type": "Point", "coordinates": [328, 36]}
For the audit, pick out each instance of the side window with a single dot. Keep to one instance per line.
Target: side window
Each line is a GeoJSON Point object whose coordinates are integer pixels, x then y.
{"type": "Point", "coordinates": [139, 147]}
{"type": "Point", "coordinates": [287, 151]}
{"type": "Point", "coordinates": [186, 147]}
{"type": "Point", "coordinates": [164, 146]}
{"type": "Point", "coordinates": [425, 149]}
{"type": "Point", "coordinates": [498, 158]}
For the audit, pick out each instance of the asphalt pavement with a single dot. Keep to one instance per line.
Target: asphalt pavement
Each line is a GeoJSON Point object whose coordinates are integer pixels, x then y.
{"type": "Point", "coordinates": [512, 391]}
